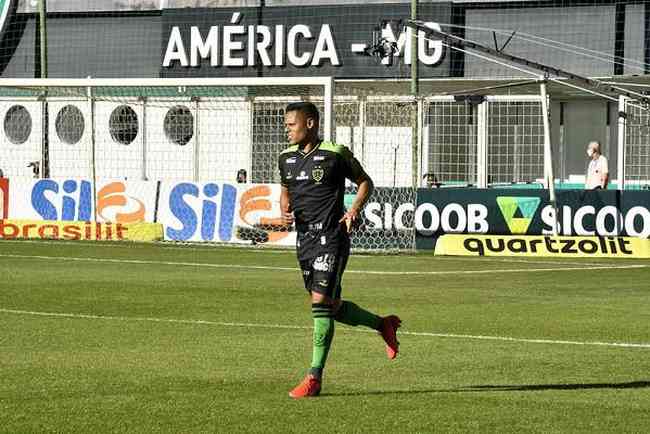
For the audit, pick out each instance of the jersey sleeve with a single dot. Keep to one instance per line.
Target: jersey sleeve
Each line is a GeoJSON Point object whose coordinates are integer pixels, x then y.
{"type": "Point", "coordinates": [351, 167]}
{"type": "Point", "coordinates": [604, 169]}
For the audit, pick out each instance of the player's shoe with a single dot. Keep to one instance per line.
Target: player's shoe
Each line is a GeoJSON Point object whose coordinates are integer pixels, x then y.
{"type": "Point", "coordinates": [388, 330]}
{"type": "Point", "coordinates": [308, 388]}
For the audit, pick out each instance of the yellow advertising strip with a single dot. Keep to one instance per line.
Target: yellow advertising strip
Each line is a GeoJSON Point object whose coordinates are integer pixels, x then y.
{"type": "Point", "coordinates": [60, 230]}
{"type": "Point", "coordinates": [542, 246]}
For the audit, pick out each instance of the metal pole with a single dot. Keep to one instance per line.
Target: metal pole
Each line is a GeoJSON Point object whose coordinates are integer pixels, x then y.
{"type": "Point", "coordinates": [548, 155]}
{"type": "Point", "coordinates": [328, 102]}
{"type": "Point", "coordinates": [45, 147]}
{"type": "Point", "coordinates": [420, 143]}
{"type": "Point", "coordinates": [415, 153]}
{"type": "Point", "coordinates": [251, 135]}
{"type": "Point", "coordinates": [42, 15]}
{"type": "Point", "coordinates": [481, 144]}
{"type": "Point", "coordinates": [516, 171]}
{"type": "Point", "coordinates": [415, 130]}
{"type": "Point", "coordinates": [414, 49]}
{"type": "Point", "coordinates": [362, 126]}
{"type": "Point", "coordinates": [143, 132]}
{"type": "Point", "coordinates": [621, 143]}
{"type": "Point", "coordinates": [395, 147]}
{"type": "Point", "coordinates": [197, 140]}
{"type": "Point", "coordinates": [93, 161]}
{"type": "Point", "coordinates": [562, 150]}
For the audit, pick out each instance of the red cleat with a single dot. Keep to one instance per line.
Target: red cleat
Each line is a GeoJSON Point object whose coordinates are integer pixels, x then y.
{"type": "Point", "coordinates": [308, 388]}
{"type": "Point", "coordinates": [388, 330]}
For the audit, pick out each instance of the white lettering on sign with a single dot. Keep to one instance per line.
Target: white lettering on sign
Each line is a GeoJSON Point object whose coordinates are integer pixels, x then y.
{"type": "Point", "coordinates": [200, 49]}
{"type": "Point", "coordinates": [295, 33]}
{"type": "Point", "coordinates": [259, 48]}
{"type": "Point", "coordinates": [384, 216]}
{"type": "Point", "coordinates": [609, 221]}
{"type": "Point", "coordinates": [430, 52]}
{"type": "Point", "coordinates": [175, 49]}
{"type": "Point", "coordinates": [301, 45]}
{"type": "Point", "coordinates": [428, 219]}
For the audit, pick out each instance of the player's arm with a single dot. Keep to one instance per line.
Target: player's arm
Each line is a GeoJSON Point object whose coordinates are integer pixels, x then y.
{"type": "Point", "coordinates": [285, 199]}
{"type": "Point", "coordinates": [365, 186]}
{"type": "Point", "coordinates": [605, 174]}
{"type": "Point", "coordinates": [285, 207]}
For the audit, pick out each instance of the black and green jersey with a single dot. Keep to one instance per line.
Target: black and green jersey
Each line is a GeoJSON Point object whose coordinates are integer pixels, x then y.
{"type": "Point", "coordinates": [316, 184]}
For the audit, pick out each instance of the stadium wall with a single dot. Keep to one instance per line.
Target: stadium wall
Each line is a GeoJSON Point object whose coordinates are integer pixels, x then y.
{"type": "Point", "coordinates": [121, 42]}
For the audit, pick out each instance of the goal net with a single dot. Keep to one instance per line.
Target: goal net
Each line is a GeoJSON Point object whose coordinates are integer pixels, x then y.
{"type": "Point", "coordinates": [210, 147]}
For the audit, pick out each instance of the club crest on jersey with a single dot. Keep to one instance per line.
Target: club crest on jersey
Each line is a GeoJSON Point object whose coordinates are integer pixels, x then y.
{"type": "Point", "coordinates": [317, 174]}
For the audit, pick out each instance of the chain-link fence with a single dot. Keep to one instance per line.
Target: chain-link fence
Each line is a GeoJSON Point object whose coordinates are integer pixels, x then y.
{"type": "Point", "coordinates": [636, 152]}
{"type": "Point", "coordinates": [211, 133]}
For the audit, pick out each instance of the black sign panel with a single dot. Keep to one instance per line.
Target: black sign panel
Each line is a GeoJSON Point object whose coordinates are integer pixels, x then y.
{"type": "Point", "coordinates": [529, 212]}
{"type": "Point", "coordinates": [321, 40]}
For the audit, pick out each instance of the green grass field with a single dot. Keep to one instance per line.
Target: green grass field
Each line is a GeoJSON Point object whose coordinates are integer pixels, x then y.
{"type": "Point", "coordinates": [167, 338]}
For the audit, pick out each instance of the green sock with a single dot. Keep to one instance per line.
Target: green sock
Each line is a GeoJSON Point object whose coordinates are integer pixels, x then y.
{"type": "Point", "coordinates": [351, 314]}
{"type": "Point", "coordinates": [323, 334]}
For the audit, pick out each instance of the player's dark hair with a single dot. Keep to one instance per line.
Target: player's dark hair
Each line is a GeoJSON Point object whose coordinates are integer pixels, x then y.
{"type": "Point", "coordinates": [306, 108]}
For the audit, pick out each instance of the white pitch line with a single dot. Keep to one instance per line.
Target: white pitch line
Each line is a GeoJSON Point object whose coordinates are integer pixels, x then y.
{"type": "Point", "coordinates": [202, 247]}
{"type": "Point", "coordinates": [508, 259]}
{"type": "Point", "coordinates": [270, 268]}
{"type": "Point", "coordinates": [160, 244]}
{"type": "Point", "coordinates": [529, 340]}
{"type": "Point", "coordinates": [147, 262]}
{"type": "Point", "coordinates": [296, 327]}
{"type": "Point", "coordinates": [150, 319]}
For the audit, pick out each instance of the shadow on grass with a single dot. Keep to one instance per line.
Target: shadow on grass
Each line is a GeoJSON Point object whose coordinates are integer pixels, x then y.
{"type": "Point", "coordinates": [504, 388]}
{"type": "Point", "coordinates": [574, 386]}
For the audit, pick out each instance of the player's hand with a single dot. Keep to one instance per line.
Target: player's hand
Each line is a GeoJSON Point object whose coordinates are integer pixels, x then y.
{"type": "Point", "coordinates": [350, 218]}
{"type": "Point", "coordinates": [287, 218]}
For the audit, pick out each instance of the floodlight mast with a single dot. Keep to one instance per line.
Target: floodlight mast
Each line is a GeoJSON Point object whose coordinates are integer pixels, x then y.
{"type": "Point", "coordinates": [461, 43]}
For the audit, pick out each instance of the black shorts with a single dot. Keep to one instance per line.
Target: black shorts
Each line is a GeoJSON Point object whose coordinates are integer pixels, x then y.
{"type": "Point", "coordinates": [323, 273]}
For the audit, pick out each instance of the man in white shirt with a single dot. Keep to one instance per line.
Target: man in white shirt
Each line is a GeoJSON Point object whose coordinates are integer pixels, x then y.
{"type": "Point", "coordinates": [597, 172]}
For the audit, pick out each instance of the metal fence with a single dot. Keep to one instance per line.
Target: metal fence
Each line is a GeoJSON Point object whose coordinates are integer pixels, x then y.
{"type": "Point", "coordinates": [211, 132]}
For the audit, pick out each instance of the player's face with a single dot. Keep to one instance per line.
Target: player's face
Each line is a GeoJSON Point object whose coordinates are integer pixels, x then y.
{"type": "Point", "coordinates": [299, 128]}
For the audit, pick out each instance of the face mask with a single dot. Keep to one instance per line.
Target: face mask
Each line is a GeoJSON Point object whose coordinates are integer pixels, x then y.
{"type": "Point", "coordinates": [590, 152]}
